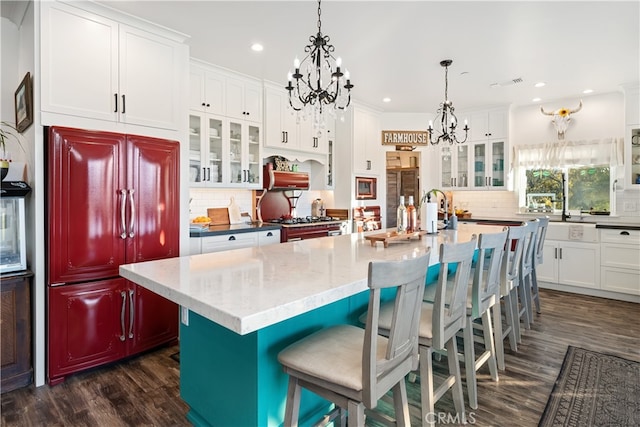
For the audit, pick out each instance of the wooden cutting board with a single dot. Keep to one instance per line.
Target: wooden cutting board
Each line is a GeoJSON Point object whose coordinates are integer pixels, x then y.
{"type": "Point", "coordinates": [219, 216]}
{"type": "Point", "coordinates": [235, 217]}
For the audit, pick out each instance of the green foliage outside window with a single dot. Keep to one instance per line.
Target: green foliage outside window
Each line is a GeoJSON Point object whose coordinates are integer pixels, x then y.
{"type": "Point", "coordinates": [587, 187]}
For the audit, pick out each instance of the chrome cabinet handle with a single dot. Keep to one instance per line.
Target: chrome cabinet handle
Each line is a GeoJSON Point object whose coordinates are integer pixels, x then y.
{"type": "Point", "coordinates": [133, 212]}
{"type": "Point", "coordinates": [131, 313]}
{"type": "Point", "coordinates": [123, 294]}
{"type": "Point", "coordinates": [123, 204]}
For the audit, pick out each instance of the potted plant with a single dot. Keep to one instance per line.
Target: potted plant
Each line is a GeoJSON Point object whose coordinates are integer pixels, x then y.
{"type": "Point", "coordinates": [7, 131]}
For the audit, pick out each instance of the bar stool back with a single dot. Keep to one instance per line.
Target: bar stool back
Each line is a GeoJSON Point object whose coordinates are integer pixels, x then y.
{"type": "Point", "coordinates": [525, 313]}
{"type": "Point", "coordinates": [484, 300]}
{"type": "Point", "coordinates": [509, 278]}
{"type": "Point", "coordinates": [353, 367]}
{"type": "Point", "coordinates": [543, 225]}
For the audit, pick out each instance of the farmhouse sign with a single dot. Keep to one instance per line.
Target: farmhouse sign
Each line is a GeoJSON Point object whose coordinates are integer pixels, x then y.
{"type": "Point", "coordinates": [405, 137]}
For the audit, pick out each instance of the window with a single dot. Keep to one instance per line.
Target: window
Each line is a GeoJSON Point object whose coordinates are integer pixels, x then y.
{"type": "Point", "coordinates": [587, 189]}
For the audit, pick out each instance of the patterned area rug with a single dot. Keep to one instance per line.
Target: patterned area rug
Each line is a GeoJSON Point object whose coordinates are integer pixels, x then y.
{"type": "Point", "coordinates": [594, 389]}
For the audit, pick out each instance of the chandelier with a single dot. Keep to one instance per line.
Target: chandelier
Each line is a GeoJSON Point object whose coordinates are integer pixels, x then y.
{"type": "Point", "coordinates": [445, 117]}
{"type": "Point", "coordinates": [318, 80]}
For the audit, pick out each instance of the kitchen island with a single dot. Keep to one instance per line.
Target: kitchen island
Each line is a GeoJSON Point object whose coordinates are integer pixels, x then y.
{"type": "Point", "coordinates": [241, 307]}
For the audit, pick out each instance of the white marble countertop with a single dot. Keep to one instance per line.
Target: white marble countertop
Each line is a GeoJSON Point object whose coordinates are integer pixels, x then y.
{"type": "Point", "coordinates": [248, 289]}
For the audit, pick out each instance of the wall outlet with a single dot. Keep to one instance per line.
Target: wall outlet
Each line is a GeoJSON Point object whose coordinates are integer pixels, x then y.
{"type": "Point", "coordinates": [184, 315]}
{"type": "Point", "coordinates": [629, 206]}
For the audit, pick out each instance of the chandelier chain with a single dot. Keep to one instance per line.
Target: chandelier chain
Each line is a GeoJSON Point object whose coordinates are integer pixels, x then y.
{"type": "Point", "coordinates": [319, 20]}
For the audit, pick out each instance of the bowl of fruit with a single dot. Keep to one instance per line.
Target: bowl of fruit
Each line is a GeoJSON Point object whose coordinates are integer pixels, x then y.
{"type": "Point", "coordinates": [201, 221]}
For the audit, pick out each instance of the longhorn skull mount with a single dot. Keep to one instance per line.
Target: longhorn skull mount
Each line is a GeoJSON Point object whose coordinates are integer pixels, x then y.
{"type": "Point", "coordinates": [561, 118]}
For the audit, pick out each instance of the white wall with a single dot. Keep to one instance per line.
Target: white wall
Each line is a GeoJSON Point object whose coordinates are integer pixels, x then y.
{"type": "Point", "coordinates": [602, 116]}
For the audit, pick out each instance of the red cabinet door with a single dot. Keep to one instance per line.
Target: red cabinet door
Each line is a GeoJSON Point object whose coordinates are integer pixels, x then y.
{"type": "Point", "coordinates": [85, 223]}
{"type": "Point", "coordinates": [155, 321]}
{"type": "Point", "coordinates": [87, 326]}
{"type": "Point", "coordinates": [153, 175]}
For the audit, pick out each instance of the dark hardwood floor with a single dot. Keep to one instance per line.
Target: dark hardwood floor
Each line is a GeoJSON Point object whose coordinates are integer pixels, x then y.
{"type": "Point", "coordinates": [144, 391]}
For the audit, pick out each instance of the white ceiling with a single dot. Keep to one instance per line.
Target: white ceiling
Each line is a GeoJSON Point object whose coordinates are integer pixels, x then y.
{"type": "Point", "coordinates": [393, 48]}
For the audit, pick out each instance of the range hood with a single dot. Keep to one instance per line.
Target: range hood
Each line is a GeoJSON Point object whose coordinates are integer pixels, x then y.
{"type": "Point", "coordinates": [284, 180]}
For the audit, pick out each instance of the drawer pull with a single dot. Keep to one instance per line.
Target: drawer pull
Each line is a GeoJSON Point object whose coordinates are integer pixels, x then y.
{"type": "Point", "coordinates": [232, 238]}
{"type": "Point", "coordinates": [269, 234]}
{"type": "Point", "coordinates": [624, 233]}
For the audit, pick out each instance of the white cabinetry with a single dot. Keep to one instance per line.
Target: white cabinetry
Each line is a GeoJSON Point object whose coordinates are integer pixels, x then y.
{"type": "Point", "coordinates": [268, 237]}
{"type": "Point", "coordinates": [367, 148]}
{"type": "Point", "coordinates": [571, 256]}
{"type": "Point", "coordinates": [489, 124]}
{"type": "Point", "coordinates": [243, 99]}
{"type": "Point", "coordinates": [283, 128]}
{"type": "Point", "coordinates": [454, 167]}
{"type": "Point", "coordinates": [219, 91]}
{"type": "Point", "coordinates": [225, 242]}
{"type": "Point", "coordinates": [93, 66]}
{"type": "Point", "coordinates": [224, 152]}
{"type": "Point", "coordinates": [570, 263]}
{"type": "Point", "coordinates": [482, 161]}
{"type": "Point", "coordinates": [632, 137]}
{"type": "Point", "coordinates": [620, 260]}
{"type": "Point", "coordinates": [489, 160]}
{"type": "Point", "coordinates": [206, 90]}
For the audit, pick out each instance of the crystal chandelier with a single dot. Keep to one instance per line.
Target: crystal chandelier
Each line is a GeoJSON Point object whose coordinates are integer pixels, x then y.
{"type": "Point", "coordinates": [445, 117]}
{"type": "Point", "coordinates": [318, 80]}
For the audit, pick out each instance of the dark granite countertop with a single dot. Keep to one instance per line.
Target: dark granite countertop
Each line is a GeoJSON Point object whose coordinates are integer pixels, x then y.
{"type": "Point", "coordinates": [220, 230]}
{"type": "Point", "coordinates": [619, 226]}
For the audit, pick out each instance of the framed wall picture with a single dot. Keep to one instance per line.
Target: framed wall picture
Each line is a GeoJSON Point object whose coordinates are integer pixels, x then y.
{"type": "Point", "coordinates": [24, 104]}
{"type": "Point", "coordinates": [365, 188]}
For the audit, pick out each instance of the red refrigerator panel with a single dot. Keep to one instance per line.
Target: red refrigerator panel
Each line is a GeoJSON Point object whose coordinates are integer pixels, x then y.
{"type": "Point", "coordinates": [153, 174]}
{"type": "Point", "coordinates": [87, 326]}
{"type": "Point", "coordinates": [86, 174]}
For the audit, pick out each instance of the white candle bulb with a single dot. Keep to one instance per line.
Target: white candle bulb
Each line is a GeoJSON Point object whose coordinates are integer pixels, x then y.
{"type": "Point", "coordinates": [338, 61]}
{"type": "Point", "coordinates": [430, 123]}
{"type": "Point", "coordinates": [347, 75]}
{"type": "Point", "coordinates": [296, 63]}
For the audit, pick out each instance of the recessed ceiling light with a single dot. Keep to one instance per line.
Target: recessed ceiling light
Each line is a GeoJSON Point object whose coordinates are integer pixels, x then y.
{"type": "Point", "coordinates": [386, 99]}
{"type": "Point", "coordinates": [539, 84]}
{"type": "Point", "coordinates": [536, 100]}
{"type": "Point", "coordinates": [587, 91]}
{"type": "Point", "coordinates": [257, 47]}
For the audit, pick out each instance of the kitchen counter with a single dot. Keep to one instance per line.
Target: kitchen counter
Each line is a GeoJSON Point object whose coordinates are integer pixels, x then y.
{"type": "Point", "coordinates": [217, 230]}
{"type": "Point", "coordinates": [241, 307]}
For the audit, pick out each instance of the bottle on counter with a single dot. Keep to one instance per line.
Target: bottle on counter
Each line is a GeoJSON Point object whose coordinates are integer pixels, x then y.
{"type": "Point", "coordinates": [402, 217]}
{"type": "Point", "coordinates": [412, 216]}
{"type": "Point", "coordinates": [453, 221]}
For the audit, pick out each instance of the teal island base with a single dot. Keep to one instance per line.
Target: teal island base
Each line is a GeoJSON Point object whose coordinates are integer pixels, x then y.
{"type": "Point", "coordinates": [232, 380]}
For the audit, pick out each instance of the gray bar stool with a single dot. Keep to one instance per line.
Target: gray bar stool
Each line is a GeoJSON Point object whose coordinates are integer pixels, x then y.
{"type": "Point", "coordinates": [353, 367]}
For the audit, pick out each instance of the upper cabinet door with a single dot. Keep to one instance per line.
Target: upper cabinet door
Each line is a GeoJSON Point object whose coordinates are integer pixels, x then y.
{"type": "Point", "coordinates": [243, 99]}
{"type": "Point", "coordinates": [97, 68]}
{"type": "Point", "coordinates": [79, 73]}
{"type": "Point", "coordinates": [149, 79]}
{"type": "Point", "coordinates": [86, 205]}
{"type": "Point", "coordinates": [206, 91]}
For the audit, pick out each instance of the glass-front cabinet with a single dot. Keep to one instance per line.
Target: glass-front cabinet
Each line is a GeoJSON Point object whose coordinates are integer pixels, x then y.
{"type": "Point", "coordinates": [224, 152]}
{"type": "Point", "coordinates": [489, 164]}
{"type": "Point", "coordinates": [454, 167]}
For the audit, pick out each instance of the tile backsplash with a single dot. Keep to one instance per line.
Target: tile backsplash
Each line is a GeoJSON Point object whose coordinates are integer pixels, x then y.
{"type": "Point", "coordinates": [204, 198]}
{"type": "Point", "coordinates": [487, 204]}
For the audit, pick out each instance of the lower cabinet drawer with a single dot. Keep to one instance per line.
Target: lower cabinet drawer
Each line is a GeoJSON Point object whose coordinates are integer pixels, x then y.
{"type": "Point", "coordinates": [630, 237]}
{"type": "Point", "coordinates": [228, 241]}
{"type": "Point", "coordinates": [268, 237]}
{"type": "Point", "coordinates": [622, 280]}
{"type": "Point", "coordinates": [620, 255]}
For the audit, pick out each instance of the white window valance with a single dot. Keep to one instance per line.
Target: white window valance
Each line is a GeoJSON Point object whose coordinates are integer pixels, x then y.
{"type": "Point", "coordinates": [558, 154]}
